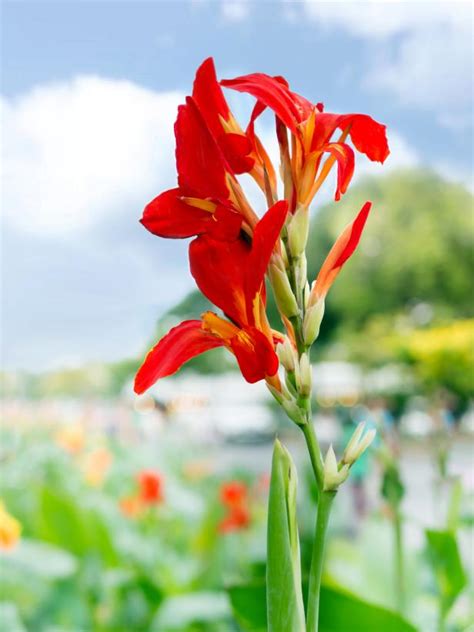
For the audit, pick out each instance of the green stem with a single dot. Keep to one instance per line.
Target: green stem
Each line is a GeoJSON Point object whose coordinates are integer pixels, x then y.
{"type": "Point", "coordinates": [399, 572]}
{"type": "Point", "coordinates": [314, 452]}
{"type": "Point", "coordinates": [316, 570]}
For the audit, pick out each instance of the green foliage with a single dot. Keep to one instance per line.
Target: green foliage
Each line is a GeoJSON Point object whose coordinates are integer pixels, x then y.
{"type": "Point", "coordinates": [445, 560]}
{"type": "Point", "coordinates": [284, 595]}
{"type": "Point", "coordinates": [340, 611]}
{"type": "Point", "coordinates": [416, 247]}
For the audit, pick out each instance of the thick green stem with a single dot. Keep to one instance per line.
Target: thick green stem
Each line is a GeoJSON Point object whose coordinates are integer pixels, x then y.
{"type": "Point", "coordinates": [314, 452]}
{"type": "Point", "coordinates": [316, 570]}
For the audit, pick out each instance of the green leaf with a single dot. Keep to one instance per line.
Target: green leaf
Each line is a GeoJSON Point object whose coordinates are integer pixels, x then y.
{"type": "Point", "coordinates": [248, 604]}
{"type": "Point", "coordinates": [284, 596]}
{"type": "Point", "coordinates": [445, 560]}
{"type": "Point", "coordinates": [340, 611]}
{"type": "Point", "coordinates": [9, 617]}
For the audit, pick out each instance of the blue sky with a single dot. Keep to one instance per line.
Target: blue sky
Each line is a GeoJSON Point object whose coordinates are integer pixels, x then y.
{"type": "Point", "coordinates": [89, 95]}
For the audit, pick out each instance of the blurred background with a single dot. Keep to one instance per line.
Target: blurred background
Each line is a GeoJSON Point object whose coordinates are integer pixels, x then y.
{"type": "Point", "coordinates": [124, 513]}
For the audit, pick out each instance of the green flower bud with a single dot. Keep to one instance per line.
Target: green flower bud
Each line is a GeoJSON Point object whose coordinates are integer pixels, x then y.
{"type": "Point", "coordinates": [305, 376]}
{"type": "Point", "coordinates": [284, 296]}
{"type": "Point", "coordinates": [333, 476]}
{"type": "Point", "coordinates": [286, 354]}
{"type": "Point", "coordinates": [298, 231]}
{"type": "Point", "coordinates": [358, 444]}
{"type": "Point", "coordinates": [312, 322]}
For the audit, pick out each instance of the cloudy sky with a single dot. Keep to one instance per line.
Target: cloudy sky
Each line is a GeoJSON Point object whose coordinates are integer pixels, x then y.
{"type": "Point", "coordinates": [89, 96]}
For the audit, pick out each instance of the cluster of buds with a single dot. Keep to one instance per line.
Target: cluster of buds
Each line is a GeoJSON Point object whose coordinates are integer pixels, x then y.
{"type": "Point", "coordinates": [296, 388]}
{"type": "Point", "coordinates": [336, 473]}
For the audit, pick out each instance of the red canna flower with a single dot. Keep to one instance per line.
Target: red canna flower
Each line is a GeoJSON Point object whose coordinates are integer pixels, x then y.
{"type": "Point", "coordinates": [237, 518]}
{"type": "Point", "coordinates": [311, 132]}
{"type": "Point", "coordinates": [231, 275]}
{"type": "Point", "coordinates": [233, 493]}
{"type": "Point", "coordinates": [234, 496]}
{"type": "Point", "coordinates": [150, 487]}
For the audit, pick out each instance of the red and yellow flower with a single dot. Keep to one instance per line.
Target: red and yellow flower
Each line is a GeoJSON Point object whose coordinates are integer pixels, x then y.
{"type": "Point", "coordinates": [233, 250]}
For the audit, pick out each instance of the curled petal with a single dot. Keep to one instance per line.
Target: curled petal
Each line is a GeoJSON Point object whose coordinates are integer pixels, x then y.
{"type": "Point", "coordinates": [273, 92]}
{"type": "Point", "coordinates": [344, 247]}
{"type": "Point", "coordinates": [369, 136]}
{"type": "Point", "coordinates": [180, 344]}
{"type": "Point", "coordinates": [345, 165]}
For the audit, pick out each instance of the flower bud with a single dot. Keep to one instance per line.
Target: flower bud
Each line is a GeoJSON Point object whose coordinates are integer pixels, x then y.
{"type": "Point", "coordinates": [333, 476]}
{"type": "Point", "coordinates": [305, 376]}
{"type": "Point", "coordinates": [301, 270]}
{"type": "Point", "coordinates": [286, 354]}
{"type": "Point", "coordinates": [312, 322]}
{"type": "Point", "coordinates": [298, 231]}
{"type": "Point", "coordinates": [284, 296]}
{"type": "Point", "coordinates": [358, 444]}
{"type": "Point", "coordinates": [294, 412]}
{"type": "Point", "coordinates": [278, 395]}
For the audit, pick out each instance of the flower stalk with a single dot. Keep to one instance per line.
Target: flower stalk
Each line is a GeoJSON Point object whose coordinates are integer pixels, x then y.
{"type": "Point", "coordinates": [233, 251]}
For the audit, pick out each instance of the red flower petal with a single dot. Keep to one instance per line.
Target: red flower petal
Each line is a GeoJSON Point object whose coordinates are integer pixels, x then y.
{"type": "Point", "coordinates": [255, 354]}
{"type": "Point", "coordinates": [208, 96]}
{"type": "Point", "coordinates": [201, 165]}
{"type": "Point", "coordinates": [168, 216]}
{"type": "Point", "coordinates": [369, 136]}
{"type": "Point", "coordinates": [218, 269]}
{"type": "Point", "coordinates": [345, 165]}
{"type": "Point", "coordinates": [344, 247]}
{"type": "Point", "coordinates": [179, 345]}
{"type": "Point", "coordinates": [273, 92]}
{"type": "Point", "coordinates": [265, 236]}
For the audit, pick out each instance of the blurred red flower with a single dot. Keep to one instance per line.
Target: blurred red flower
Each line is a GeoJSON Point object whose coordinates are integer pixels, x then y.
{"type": "Point", "coordinates": [233, 493]}
{"type": "Point", "coordinates": [150, 487]}
{"type": "Point", "coordinates": [234, 496]}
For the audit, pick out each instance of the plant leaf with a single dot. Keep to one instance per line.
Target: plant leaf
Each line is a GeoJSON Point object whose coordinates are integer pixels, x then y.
{"type": "Point", "coordinates": [445, 560]}
{"type": "Point", "coordinates": [285, 609]}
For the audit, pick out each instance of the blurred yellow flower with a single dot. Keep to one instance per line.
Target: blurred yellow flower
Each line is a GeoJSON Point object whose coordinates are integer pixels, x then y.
{"type": "Point", "coordinates": [10, 529]}
{"type": "Point", "coordinates": [71, 438]}
{"type": "Point", "coordinates": [96, 465]}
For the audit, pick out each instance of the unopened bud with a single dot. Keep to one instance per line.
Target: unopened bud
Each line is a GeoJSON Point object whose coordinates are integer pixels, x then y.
{"type": "Point", "coordinates": [306, 295]}
{"type": "Point", "coordinates": [298, 231]}
{"type": "Point", "coordinates": [286, 354]}
{"type": "Point", "coordinates": [301, 271]}
{"type": "Point", "coordinates": [333, 476]}
{"type": "Point", "coordinates": [284, 296]}
{"type": "Point", "coordinates": [305, 375]}
{"type": "Point", "coordinates": [312, 322]}
{"type": "Point", "coordinates": [294, 412]}
{"type": "Point", "coordinates": [358, 444]}
{"type": "Point", "coordinates": [278, 395]}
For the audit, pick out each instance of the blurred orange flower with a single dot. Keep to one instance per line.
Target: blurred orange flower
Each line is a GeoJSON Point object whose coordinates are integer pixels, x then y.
{"type": "Point", "coordinates": [131, 506]}
{"type": "Point", "coordinates": [96, 466]}
{"type": "Point", "coordinates": [71, 438]}
{"type": "Point", "coordinates": [10, 529]}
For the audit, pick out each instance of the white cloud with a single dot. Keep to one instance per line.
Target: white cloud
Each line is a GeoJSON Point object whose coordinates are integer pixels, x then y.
{"type": "Point", "coordinates": [75, 151]}
{"type": "Point", "coordinates": [235, 10]}
{"type": "Point", "coordinates": [422, 50]}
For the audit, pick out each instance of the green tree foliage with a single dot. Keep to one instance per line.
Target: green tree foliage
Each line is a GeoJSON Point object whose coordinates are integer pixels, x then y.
{"type": "Point", "coordinates": [416, 248]}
